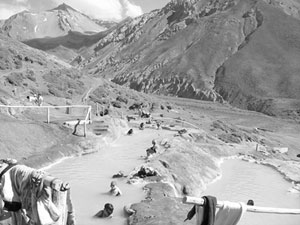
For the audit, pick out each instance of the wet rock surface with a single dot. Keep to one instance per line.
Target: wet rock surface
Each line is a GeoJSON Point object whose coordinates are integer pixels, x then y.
{"type": "Point", "coordinates": [189, 164]}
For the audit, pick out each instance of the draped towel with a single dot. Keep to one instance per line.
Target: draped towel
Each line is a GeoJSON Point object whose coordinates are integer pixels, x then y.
{"type": "Point", "coordinates": [230, 214]}
{"type": "Point", "coordinates": [40, 205]}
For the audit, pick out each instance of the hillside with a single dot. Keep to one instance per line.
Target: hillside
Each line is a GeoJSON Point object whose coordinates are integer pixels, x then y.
{"type": "Point", "coordinates": [24, 70]}
{"type": "Point", "coordinates": [240, 51]}
{"type": "Point", "coordinates": [52, 23]}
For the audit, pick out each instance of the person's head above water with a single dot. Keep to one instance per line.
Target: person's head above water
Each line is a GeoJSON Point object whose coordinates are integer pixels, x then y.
{"type": "Point", "coordinates": [113, 184]}
{"type": "Point", "coordinates": [106, 212]}
{"type": "Point", "coordinates": [109, 208]}
{"type": "Point", "coordinates": [250, 202]}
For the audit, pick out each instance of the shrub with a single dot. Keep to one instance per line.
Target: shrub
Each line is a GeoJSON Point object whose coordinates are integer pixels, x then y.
{"type": "Point", "coordinates": [122, 99]}
{"type": "Point", "coordinates": [15, 79]}
{"type": "Point", "coordinates": [116, 104]}
{"type": "Point", "coordinates": [135, 106]}
{"type": "Point", "coordinates": [31, 76]}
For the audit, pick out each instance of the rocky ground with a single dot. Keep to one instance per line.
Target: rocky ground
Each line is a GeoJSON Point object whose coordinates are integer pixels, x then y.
{"type": "Point", "coordinates": [191, 160]}
{"type": "Point", "coordinates": [221, 130]}
{"type": "Point", "coordinates": [245, 52]}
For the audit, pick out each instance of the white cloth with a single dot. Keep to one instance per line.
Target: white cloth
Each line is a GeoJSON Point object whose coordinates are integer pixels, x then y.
{"type": "Point", "coordinates": [44, 208]}
{"type": "Point", "coordinates": [230, 213]}
{"type": "Point", "coordinates": [6, 189]}
{"type": "Point", "coordinates": [46, 211]}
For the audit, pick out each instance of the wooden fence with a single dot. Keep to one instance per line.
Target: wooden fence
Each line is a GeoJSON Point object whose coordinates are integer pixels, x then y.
{"type": "Point", "coordinates": [182, 122]}
{"type": "Point", "coordinates": [257, 209]}
{"type": "Point", "coordinates": [85, 121]}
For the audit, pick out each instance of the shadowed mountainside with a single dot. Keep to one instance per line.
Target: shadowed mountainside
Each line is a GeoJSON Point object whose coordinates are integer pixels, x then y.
{"type": "Point", "coordinates": [264, 73]}
{"type": "Point", "coordinates": [67, 47]}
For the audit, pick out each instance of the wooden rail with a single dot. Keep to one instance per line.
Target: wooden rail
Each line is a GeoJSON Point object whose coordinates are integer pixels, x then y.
{"type": "Point", "coordinates": [256, 209]}
{"type": "Point", "coordinates": [179, 120]}
{"type": "Point", "coordinates": [45, 106]}
{"type": "Point", "coordinates": [166, 118]}
{"type": "Point", "coordinates": [86, 120]}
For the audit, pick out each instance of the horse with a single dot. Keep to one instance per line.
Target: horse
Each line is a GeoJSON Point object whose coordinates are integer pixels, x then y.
{"type": "Point", "coordinates": [37, 99]}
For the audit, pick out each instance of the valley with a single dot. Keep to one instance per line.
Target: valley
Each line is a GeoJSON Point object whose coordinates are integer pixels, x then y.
{"type": "Point", "coordinates": [220, 77]}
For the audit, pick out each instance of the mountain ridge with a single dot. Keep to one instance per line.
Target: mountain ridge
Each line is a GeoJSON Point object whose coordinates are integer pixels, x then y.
{"type": "Point", "coordinates": [56, 22]}
{"type": "Point", "coordinates": [64, 7]}
{"type": "Point", "coordinates": [200, 50]}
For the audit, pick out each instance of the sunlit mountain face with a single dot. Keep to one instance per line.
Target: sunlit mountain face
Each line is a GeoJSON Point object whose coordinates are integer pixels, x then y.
{"type": "Point", "coordinates": [52, 23]}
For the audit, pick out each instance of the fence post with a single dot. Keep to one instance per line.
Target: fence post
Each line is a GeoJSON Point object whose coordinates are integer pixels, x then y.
{"type": "Point", "coordinates": [84, 130]}
{"type": "Point", "coordinates": [68, 109]}
{"type": "Point", "coordinates": [90, 114]}
{"type": "Point", "coordinates": [48, 114]}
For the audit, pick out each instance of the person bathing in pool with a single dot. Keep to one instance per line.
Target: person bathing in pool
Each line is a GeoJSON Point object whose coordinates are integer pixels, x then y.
{"type": "Point", "coordinates": [107, 212]}
{"type": "Point", "coordinates": [114, 190]}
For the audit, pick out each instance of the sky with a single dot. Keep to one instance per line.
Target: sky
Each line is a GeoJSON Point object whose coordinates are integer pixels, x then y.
{"type": "Point", "coordinates": [100, 9]}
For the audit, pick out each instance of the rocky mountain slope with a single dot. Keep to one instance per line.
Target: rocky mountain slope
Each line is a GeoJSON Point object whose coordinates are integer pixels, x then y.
{"type": "Point", "coordinates": [52, 23]}
{"type": "Point", "coordinates": [244, 52]}
{"type": "Point", "coordinates": [23, 132]}
{"type": "Point", "coordinates": [24, 70]}
{"type": "Point", "coordinates": [241, 51]}
{"type": "Point", "coordinates": [62, 31]}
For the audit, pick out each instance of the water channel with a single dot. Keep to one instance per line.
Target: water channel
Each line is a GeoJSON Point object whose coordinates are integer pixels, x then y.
{"type": "Point", "coordinates": [242, 180]}
{"type": "Point", "coordinates": [90, 177]}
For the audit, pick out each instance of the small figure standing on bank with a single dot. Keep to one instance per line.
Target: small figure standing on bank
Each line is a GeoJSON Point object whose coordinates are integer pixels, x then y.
{"type": "Point", "coordinates": [158, 125]}
{"type": "Point", "coordinates": [130, 132]}
{"type": "Point", "coordinates": [152, 150]}
{"type": "Point", "coordinates": [142, 126]}
{"type": "Point", "coordinates": [114, 190]}
{"type": "Point", "coordinates": [39, 100]}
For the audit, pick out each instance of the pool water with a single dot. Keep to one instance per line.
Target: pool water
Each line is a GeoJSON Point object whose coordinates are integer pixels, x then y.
{"type": "Point", "coordinates": [242, 181]}
{"type": "Point", "coordinates": [90, 176]}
